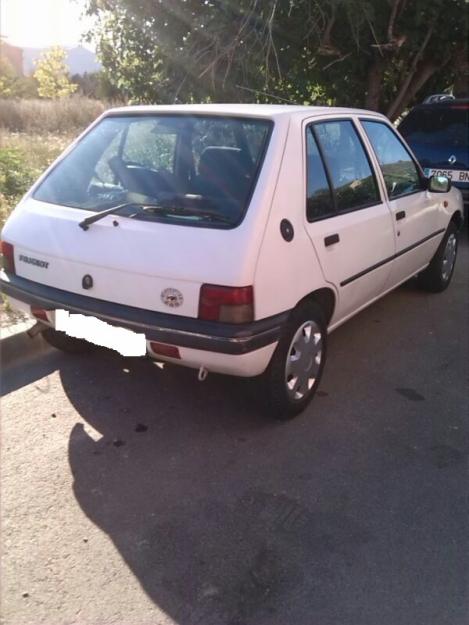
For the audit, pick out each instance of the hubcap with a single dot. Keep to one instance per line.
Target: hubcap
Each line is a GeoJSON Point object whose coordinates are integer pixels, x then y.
{"type": "Point", "coordinates": [449, 257]}
{"type": "Point", "coordinates": [303, 360]}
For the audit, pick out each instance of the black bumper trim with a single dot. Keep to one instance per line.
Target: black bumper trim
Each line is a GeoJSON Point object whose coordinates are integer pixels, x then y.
{"type": "Point", "coordinates": [210, 336]}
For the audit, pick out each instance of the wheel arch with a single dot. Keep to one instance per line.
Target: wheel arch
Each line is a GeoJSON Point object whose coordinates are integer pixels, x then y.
{"type": "Point", "coordinates": [457, 219]}
{"type": "Point", "coordinates": [326, 298]}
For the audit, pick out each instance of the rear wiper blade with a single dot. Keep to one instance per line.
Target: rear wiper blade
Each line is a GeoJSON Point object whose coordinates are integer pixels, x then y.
{"type": "Point", "coordinates": [189, 211]}
{"type": "Point", "coordinates": [156, 208]}
{"type": "Point", "coordinates": [86, 223]}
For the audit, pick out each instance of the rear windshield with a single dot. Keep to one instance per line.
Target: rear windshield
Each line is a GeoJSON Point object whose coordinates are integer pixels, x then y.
{"type": "Point", "coordinates": [201, 168]}
{"type": "Point", "coordinates": [438, 126]}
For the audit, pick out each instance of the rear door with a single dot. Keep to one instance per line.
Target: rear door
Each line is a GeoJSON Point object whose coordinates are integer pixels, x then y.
{"type": "Point", "coordinates": [347, 220]}
{"type": "Point", "coordinates": [414, 210]}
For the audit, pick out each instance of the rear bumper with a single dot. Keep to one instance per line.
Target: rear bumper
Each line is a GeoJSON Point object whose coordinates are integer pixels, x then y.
{"type": "Point", "coordinates": [222, 338]}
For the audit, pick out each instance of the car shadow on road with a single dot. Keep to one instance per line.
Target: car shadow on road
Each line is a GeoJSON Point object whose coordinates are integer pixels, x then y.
{"type": "Point", "coordinates": [20, 369]}
{"type": "Point", "coordinates": [226, 518]}
{"type": "Point", "coordinates": [185, 479]}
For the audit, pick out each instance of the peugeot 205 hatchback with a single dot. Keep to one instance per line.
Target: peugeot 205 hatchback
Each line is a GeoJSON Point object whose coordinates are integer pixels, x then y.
{"type": "Point", "coordinates": [228, 238]}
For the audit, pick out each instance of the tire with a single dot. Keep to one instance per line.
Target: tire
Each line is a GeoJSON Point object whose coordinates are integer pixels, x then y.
{"type": "Point", "coordinates": [284, 397]}
{"type": "Point", "coordinates": [437, 276]}
{"type": "Point", "coordinates": [66, 343]}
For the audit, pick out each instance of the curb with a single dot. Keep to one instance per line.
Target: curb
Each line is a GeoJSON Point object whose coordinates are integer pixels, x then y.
{"type": "Point", "coordinates": [15, 328]}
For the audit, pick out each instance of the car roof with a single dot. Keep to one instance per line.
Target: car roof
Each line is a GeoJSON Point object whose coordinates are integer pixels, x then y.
{"type": "Point", "coordinates": [270, 111]}
{"type": "Point", "coordinates": [450, 103]}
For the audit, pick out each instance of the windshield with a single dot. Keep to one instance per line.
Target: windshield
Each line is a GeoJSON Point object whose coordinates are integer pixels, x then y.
{"type": "Point", "coordinates": [446, 127]}
{"type": "Point", "coordinates": [197, 166]}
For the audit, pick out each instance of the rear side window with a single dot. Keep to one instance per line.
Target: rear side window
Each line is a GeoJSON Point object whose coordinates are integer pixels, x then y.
{"type": "Point", "coordinates": [400, 173]}
{"type": "Point", "coordinates": [347, 163]}
{"type": "Point", "coordinates": [319, 202]}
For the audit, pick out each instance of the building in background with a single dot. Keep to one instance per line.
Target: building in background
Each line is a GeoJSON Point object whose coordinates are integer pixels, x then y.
{"type": "Point", "coordinates": [12, 54]}
{"type": "Point", "coordinates": [80, 60]}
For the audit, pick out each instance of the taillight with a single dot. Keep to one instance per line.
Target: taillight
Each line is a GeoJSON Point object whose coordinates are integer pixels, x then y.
{"type": "Point", "coordinates": [226, 303]}
{"type": "Point", "coordinates": [8, 256]}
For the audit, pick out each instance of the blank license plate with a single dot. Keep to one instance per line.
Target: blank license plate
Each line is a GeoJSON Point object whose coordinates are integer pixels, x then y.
{"type": "Point", "coordinates": [99, 332]}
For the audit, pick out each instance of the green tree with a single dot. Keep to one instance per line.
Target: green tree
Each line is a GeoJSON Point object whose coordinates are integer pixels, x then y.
{"type": "Point", "coordinates": [51, 75]}
{"type": "Point", "coordinates": [381, 54]}
{"type": "Point", "coordinates": [8, 78]}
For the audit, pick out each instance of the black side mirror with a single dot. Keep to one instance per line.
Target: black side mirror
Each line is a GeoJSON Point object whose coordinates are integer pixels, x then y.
{"type": "Point", "coordinates": [439, 184]}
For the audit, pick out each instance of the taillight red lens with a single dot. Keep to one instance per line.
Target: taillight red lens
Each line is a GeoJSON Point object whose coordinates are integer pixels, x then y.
{"type": "Point", "coordinates": [165, 350]}
{"type": "Point", "coordinates": [226, 303]}
{"type": "Point", "coordinates": [8, 255]}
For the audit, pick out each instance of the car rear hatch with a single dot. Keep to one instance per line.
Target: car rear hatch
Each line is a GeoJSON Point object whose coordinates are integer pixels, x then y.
{"type": "Point", "coordinates": [439, 136]}
{"type": "Point", "coordinates": [180, 187]}
{"type": "Point", "coordinates": [154, 266]}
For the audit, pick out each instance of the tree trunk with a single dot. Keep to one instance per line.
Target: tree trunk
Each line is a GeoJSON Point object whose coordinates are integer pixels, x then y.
{"type": "Point", "coordinates": [375, 81]}
{"type": "Point", "coordinates": [405, 85]}
{"type": "Point", "coordinates": [461, 82]}
{"type": "Point", "coordinates": [425, 72]}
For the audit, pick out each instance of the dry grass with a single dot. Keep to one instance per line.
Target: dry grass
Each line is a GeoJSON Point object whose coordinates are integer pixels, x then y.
{"type": "Point", "coordinates": [47, 116]}
{"type": "Point", "coordinates": [37, 149]}
{"type": "Point", "coordinates": [32, 134]}
{"type": "Point", "coordinates": [23, 157]}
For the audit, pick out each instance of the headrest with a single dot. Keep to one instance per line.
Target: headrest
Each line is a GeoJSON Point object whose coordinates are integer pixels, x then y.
{"type": "Point", "coordinates": [221, 159]}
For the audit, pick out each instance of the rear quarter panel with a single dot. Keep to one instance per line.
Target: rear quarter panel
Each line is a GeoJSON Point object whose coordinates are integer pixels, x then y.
{"type": "Point", "coordinates": [287, 271]}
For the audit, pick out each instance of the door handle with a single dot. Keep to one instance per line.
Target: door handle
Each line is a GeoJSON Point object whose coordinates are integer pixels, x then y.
{"type": "Point", "coordinates": [400, 215]}
{"type": "Point", "coordinates": [331, 239]}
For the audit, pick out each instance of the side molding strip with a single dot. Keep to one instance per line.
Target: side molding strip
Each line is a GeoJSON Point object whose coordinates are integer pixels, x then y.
{"type": "Point", "coordinates": [391, 258]}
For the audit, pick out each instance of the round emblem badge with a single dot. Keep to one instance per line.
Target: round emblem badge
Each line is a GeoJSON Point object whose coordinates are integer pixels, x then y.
{"type": "Point", "coordinates": [172, 298]}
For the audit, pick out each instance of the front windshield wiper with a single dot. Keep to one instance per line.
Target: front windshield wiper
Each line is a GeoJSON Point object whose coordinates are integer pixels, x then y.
{"type": "Point", "coordinates": [86, 223]}
{"type": "Point", "coordinates": [155, 208]}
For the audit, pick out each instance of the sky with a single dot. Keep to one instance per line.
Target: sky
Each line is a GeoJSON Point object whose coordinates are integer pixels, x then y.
{"type": "Point", "coordinates": [42, 23]}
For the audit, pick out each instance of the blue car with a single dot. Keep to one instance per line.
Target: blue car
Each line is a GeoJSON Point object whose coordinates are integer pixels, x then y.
{"type": "Point", "coordinates": [438, 133]}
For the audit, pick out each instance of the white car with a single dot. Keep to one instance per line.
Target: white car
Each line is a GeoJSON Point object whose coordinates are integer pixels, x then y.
{"type": "Point", "coordinates": [228, 238]}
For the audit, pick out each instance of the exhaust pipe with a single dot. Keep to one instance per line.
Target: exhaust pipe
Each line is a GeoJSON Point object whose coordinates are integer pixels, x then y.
{"type": "Point", "coordinates": [36, 329]}
{"type": "Point", "coordinates": [203, 373]}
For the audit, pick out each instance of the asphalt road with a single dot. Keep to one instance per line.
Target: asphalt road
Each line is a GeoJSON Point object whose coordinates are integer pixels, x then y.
{"type": "Point", "coordinates": [133, 495]}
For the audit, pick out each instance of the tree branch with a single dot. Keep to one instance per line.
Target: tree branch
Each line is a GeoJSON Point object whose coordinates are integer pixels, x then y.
{"type": "Point", "coordinates": [410, 74]}
{"type": "Point", "coordinates": [342, 58]}
{"type": "Point", "coordinates": [392, 19]}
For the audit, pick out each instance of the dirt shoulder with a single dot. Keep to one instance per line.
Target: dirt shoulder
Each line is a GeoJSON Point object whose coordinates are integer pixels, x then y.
{"type": "Point", "coordinates": [10, 317]}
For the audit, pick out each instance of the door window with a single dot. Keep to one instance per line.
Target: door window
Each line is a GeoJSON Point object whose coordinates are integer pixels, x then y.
{"type": "Point", "coordinates": [319, 201]}
{"type": "Point", "coordinates": [400, 173]}
{"type": "Point", "coordinates": [350, 171]}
